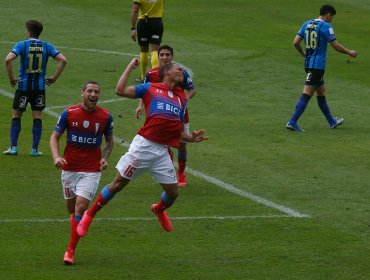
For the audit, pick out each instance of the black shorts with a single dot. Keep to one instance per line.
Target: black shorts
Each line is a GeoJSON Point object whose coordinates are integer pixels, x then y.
{"type": "Point", "coordinates": [315, 77]}
{"type": "Point", "coordinates": [149, 31]}
{"type": "Point", "coordinates": [35, 97]}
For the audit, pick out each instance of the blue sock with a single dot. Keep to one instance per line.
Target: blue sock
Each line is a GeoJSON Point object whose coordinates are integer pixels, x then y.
{"type": "Point", "coordinates": [300, 107]}
{"type": "Point", "coordinates": [106, 194]}
{"type": "Point", "coordinates": [321, 101]}
{"type": "Point", "coordinates": [36, 132]}
{"type": "Point", "coordinates": [182, 155]}
{"type": "Point", "coordinates": [15, 129]}
{"type": "Point", "coordinates": [78, 218]}
{"type": "Point", "coordinates": [166, 201]}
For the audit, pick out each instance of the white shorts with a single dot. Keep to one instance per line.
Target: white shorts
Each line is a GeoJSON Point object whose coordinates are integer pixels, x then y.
{"type": "Point", "coordinates": [144, 155]}
{"type": "Point", "coordinates": [82, 184]}
{"type": "Point", "coordinates": [186, 129]}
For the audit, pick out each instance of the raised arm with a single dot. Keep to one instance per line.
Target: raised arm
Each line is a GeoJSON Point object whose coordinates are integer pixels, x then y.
{"type": "Point", "coordinates": [121, 88]}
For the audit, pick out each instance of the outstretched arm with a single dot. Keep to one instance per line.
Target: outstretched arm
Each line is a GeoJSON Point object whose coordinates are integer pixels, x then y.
{"type": "Point", "coordinates": [196, 136]}
{"type": "Point", "coordinates": [121, 88]}
{"type": "Point", "coordinates": [62, 63]}
{"type": "Point", "coordinates": [340, 48]}
{"type": "Point", "coordinates": [297, 44]}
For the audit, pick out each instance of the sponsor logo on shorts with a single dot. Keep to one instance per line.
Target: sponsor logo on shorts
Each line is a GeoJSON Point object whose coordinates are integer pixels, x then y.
{"type": "Point", "coordinates": [40, 100]}
{"type": "Point", "coordinates": [22, 102]}
{"type": "Point", "coordinates": [66, 183]}
{"type": "Point", "coordinates": [136, 162]}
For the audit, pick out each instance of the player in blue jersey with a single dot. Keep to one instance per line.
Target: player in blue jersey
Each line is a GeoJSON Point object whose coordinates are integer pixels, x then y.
{"type": "Point", "coordinates": [316, 34]}
{"type": "Point", "coordinates": [34, 55]}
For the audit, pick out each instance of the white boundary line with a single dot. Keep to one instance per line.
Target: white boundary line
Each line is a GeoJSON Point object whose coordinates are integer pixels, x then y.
{"type": "Point", "coordinates": [221, 184]}
{"type": "Point", "coordinates": [103, 51]}
{"type": "Point", "coordinates": [82, 49]}
{"type": "Point", "coordinates": [100, 102]}
{"type": "Point", "coordinates": [48, 220]}
{"type": "Point", "coordinates": [239, 192]}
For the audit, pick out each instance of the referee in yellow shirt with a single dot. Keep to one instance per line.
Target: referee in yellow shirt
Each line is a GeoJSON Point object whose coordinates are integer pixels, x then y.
{"type": "Point", "coordinates": [147, 29]}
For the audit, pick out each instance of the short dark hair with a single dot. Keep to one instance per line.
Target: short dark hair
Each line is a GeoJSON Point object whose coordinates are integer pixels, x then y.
{"type": "Point", "coordinates": [165, 47]}
{"type": "Point", "coordinates": [90, 82]}
{"type": "Point", "coordinates": [34, 27]}
{"type": "Point", "coordinates": [163, 69]}
{"type": "Point", "coordinates": [327, 9]}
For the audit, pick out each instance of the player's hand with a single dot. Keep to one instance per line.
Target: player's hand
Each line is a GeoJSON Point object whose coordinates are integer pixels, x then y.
{"type": "Point", "coordinates": [139, 111]}
{"type": "Point", "coordinates": [103, 164]}
{"type": "Point", "coordinates": [133, 35]}
{"type": "Point", "coordinates": [198, 136]}
{"type": "Point", "coordinates": [59, 162]}
{"type": "Point", "coordinates": [50, 80]}
{"type": "Point", "coordinates": [134, 63]}
{"type": "Point", "coordinates": [353, 53]}
{"type": "Point", "coordinates": [13, 82]}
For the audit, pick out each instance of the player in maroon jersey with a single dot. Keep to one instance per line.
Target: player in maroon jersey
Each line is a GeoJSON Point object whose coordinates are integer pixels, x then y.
{"type": "Point", "coordinates": [83, 160]}
{"type": "Point", "coordinates": [165, 104]}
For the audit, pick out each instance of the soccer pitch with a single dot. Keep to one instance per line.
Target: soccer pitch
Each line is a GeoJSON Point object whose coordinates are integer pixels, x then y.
{"type": "Point", "coordinates": [261, 202]}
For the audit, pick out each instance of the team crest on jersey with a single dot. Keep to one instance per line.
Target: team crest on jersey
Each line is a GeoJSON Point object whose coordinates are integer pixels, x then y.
{"type": "Point", "coordinates": [86, 124]}
{"type": "Point", "coordinates": [170, 94]}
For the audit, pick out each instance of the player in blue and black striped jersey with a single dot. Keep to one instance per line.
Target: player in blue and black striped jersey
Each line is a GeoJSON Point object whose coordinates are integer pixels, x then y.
{"type": "Point", "coordinates": [31, 81]}
{"type": "Point", "coordinates": [316, 34]}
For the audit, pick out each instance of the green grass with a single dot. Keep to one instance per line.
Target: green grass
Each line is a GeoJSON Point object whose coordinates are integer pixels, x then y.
{"type": "Point", "coordinates": [248, 79]}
